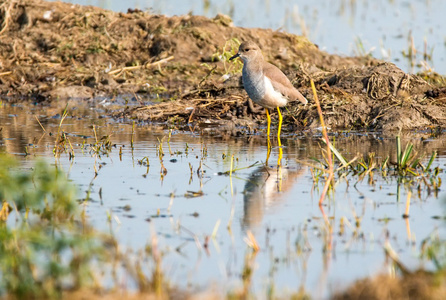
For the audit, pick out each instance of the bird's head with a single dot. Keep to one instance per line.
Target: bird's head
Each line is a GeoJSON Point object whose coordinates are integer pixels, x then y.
{"type": "Point", "coordinates": [248, 51]}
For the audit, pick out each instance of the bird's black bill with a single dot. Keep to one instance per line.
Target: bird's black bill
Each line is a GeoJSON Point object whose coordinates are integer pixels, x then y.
{"type": "Point", "coordinates": [235, 56]}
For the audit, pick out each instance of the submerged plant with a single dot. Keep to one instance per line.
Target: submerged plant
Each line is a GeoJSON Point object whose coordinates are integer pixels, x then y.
{"type": "Point", "coordinates": [45, 191]}
{"type": "Point", "coordinates": [44, 250]}
{"type": "Point", "coordinates": [48, 248]}
{"type": "Point", "coordinates": [60, 145]}
{"type": "Point", "coordinates": [407, 163]}
{"type": "Point", "coordinates": [433, 248]}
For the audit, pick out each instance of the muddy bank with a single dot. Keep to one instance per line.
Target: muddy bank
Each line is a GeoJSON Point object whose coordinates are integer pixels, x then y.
{"type": "Point", "coordinates": [417, 285]}
{"type": "Point", "coordinates": [52, 50]}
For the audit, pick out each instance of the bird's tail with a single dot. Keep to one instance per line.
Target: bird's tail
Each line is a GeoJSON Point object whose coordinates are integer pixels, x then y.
{"type": "Point", "coordinates": [301, 98]}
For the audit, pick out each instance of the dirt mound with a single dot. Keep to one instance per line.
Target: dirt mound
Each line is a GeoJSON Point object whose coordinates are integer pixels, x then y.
{"type": "Point", "coordinates": [54, 50]}
{"type": "Point", "coordinates": [416, 285]}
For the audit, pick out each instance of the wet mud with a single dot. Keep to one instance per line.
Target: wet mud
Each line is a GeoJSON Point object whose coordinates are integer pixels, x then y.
{"type": "Point", "coordinates": [416, 285]}
{"type": "Point", "coordinates": [52, 51]}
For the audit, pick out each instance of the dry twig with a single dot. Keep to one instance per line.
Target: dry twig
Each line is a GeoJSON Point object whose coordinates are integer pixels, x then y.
{"type": "Point", "coordinates": [118, 72]}
{"type": "Point", "coordinates": [7, 16]}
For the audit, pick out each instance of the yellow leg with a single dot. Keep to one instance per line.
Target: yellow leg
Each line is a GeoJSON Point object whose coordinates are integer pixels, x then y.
{"type": "Point", "coordinates": [269, 120]}
{"type": "Point", "coordinates": [280, 125]}
{"type": "Point", "coordinates": [268, 152]}
{"type": "Point", "coordinates": [268, 134]}
{"type": "Point", "coordinates": [279, 159]}
{"type": "Point", "coordinates": [279, 177]}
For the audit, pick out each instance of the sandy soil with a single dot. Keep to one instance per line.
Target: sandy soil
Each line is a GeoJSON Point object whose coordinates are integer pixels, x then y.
{"type": "Point", "coordinates": [53, 50]}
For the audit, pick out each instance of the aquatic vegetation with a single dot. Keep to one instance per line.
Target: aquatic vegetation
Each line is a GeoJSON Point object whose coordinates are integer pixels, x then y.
{"type": "Point", "coordinates": [61, 142]}
{"type": "Point", "coordinates": [371, 193]}
{"type": "Point", "coordinates": [109, 58]}
{"type": "Point", "coordinates": [102, 146]}
{"type": "Point", "coordinates": [46, 245]}
{"type": "Point", "coordinates": [408, 165]}
{"type": "Point", "coordinates": [411, 54]}
{"type": "Point", "coordinates": [328, 156]}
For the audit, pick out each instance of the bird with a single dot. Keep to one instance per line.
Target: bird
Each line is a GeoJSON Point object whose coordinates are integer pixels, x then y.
{"type": "Point", "coordinates": [265, 83]}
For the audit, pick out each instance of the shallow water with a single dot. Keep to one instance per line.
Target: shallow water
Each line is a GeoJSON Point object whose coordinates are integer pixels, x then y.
{"type": "Point", "coordinates": [382, 28]}
{"type": "Point", "coordinates": [184, 206]}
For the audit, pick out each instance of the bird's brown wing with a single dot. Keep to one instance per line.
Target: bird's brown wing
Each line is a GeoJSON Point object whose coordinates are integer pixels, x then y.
{"type": "Point", "coordinates": [281, 83]}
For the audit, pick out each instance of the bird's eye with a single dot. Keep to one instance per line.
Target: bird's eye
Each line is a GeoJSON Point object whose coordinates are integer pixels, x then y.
{"type": "Point", "coordinates": [246, 50]}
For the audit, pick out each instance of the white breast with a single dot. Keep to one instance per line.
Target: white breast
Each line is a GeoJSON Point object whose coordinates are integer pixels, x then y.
{"type": "Point", "coordinates": [272, 98]}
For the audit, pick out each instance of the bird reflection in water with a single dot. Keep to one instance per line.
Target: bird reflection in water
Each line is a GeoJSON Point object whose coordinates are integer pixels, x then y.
{"type": "Point", "coordinates": [267, 186]}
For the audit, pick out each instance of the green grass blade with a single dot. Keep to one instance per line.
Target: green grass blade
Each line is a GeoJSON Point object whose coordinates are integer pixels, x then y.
{"type": "Point", "coordinates": [406, 155]}
{"type": "Point", "coordinates": [431, 160]}
{"type": "Point", "coordinates": [398, 151]}
{"type": "Point", "coordinates": [337, 154]}
{"type": "Point", "coordinates": [384, 164]}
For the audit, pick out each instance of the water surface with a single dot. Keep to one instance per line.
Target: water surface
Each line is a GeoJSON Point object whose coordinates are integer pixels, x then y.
{"type": "Point", "coordinates": [184, 196]}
